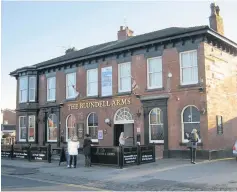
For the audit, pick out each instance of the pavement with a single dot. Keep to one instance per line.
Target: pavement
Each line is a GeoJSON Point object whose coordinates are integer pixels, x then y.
{"type": "Point", "coordinates": [164, 174]}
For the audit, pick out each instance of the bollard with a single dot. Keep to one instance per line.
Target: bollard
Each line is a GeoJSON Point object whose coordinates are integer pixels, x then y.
{"type": "Point", "coordinates": [29, 152]}
{"type": "Point", "coordinates": [138, 155]}
{"type": "Point", "coordinates": [49, 153]}
{"type": "Point", "coordinates": [12, 150]}
{"type": "Point", "coordinates": [120, 157]}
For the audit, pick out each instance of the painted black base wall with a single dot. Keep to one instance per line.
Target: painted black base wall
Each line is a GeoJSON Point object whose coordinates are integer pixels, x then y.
{"type": "Point", "coordinates": [201, 154]}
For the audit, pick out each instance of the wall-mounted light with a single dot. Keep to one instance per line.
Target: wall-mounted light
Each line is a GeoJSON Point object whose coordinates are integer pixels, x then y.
{"type": "Point", "coordinates": [107, 121]}
{"type": "Point", "coordinates": [138, 113]}
{"type": "Point", "coordinates": [201, 89]}
{"type": "Point", "coordinates": [203, 111]}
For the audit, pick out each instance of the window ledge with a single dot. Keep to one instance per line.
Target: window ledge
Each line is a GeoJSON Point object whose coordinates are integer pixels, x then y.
{"type": "Point", "coordinates": [124, 93]}
{"type": "Point", "coordinates": [51, 101]}
{"type": "Point", "coordinates": [189, 85]}
{"type": "Point", "coordinates": [92, 97]}
{"type": "Point", "coordinates": [156, 143]}
{"type": "Point", "coordinates": [70, 99]}
{"type": "Point", "coordinates": [185, 144]}
{"type": "Point", "coordinates": [107, 96]}
{"type": "Point", "coordinates": [155, 89]}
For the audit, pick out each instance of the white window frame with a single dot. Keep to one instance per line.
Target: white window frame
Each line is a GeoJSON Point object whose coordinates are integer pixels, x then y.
{"type": "Point", "coordinates": [154, 141]}
{"type": "Point", "coordinates": [49, 88]}
{"type": "Point", "coordinates": [20, 90]}
{"type": "Point", "coordinates": [50, 140]}
{"type": "Point", "coordinates": [87, 129]}
{"type": "Point", "coordinates": [119, 84]}
{"type": "Point", "coordinates": [34, 88]}
{"type": "Point", "coordinates": [190, 66]}
{"type": "Point", "coordinates": [31, 116]}
{"type": "Point", "coordinates": [95, 93]}
{"type": "Point", "coordinates": [67, 139]}
{"type": "Point", "coordinates": [148, 73]}
{"type": "Point", "coordinates": [22, 140]}
{"type": "Point", "coordinates": [68, 84]}
{"type": "Point", "coordinates": [182, 123]}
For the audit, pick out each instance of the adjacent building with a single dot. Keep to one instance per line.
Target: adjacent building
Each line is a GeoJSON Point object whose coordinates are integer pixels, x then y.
{"type": "Point", "coordinates": [8, 126]}
{"type": "Point", "coordinates": [156, 87]}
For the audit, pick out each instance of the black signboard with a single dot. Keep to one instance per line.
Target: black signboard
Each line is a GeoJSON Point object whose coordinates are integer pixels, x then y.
{"type": "Point", "coordinates": [20, 154]}
{"type": "Point", "coordinates": [147, 154]}
{"type": "Point", "coordinates": [39, 155]}
{"type": "Point", "coordinates": [105, 155]}
{"type": "Point", "coordinates": [5, 153]}
{"type": "Point", "coordinates": [130, 155]}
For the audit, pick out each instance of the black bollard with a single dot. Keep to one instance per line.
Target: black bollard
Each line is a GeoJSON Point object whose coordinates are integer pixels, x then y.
{"type": "Point", "coordinates": [49, 153]}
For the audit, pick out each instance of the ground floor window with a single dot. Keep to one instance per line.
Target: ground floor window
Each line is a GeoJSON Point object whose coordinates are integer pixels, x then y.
{"type": "Point", "coordinates": [70, 126]}
{"type": "Point", "coordinates": [52, 128]}
{"type": "Point", "coordinates": [31, 128]}
{"type": "Point", "coordinates": [22, 128]}
{"type": "Point", "coordinates": [190, 121]}
{"type": "Point", "coordinates": [156, 126]}
{"type": "Point", "coordinates": [92, 126]}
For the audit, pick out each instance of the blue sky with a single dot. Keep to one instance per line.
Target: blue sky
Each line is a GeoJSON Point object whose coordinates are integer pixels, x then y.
{"type": "Point", "coordinates": [37, 31]}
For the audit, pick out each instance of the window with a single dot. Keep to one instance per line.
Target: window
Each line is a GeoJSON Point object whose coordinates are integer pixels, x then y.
{"type": "Point", "coordinates": [22, 128]}
{"type": "Point", "coordinates": [52, 128]}
{"type": "Point", "coordinates": [92, 82]}
{"type": "Point", "coordinates": [70, 85]}
{"type": "Point", "coordinates": [32, 86]}
{"type": "Point", "coordinates": [124, 77]}
{"type": "Point", "coordinates": [31, 128]}
{"type": "Point", "coordinates": [51, 89]}
{"type": "Point", "coordinates": [71, 126]}
{"type": "Point", "coordinates": [190, 121]}
{"type": "Point", "coordinates": [156, 127]}
{"type": "Point", "coordinates": [23, 89]}
{"type": "Point", "coordinates": [92, 126]}
{"type": "Point", "coordinates": [154, 73]}
{"type": "Point", "coordinates": [188, 68]}
{"type": "Point", "coordinates": [123, 116]}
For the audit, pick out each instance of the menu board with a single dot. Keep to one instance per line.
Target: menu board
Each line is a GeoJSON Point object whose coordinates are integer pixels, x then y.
{"type": "Point", "coordinates": [130, 155]}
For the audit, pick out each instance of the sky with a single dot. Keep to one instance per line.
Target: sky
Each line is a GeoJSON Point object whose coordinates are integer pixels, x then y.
{"type": "Point", "coordinates": [33, 32]}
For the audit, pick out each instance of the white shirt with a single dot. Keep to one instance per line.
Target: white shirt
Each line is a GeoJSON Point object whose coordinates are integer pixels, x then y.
{"type": "Point", "coordinates": [73, 147]}
{"type": "Point", "coordinates": [122, 141]}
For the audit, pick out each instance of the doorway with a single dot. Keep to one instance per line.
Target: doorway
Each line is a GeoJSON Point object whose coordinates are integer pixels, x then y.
{"type": "Point", "coordinates": [128, 132]}
{"type": "Point", "coordinates": [118, 128]}
{"type": "Point", "coordinates": [123, 122]}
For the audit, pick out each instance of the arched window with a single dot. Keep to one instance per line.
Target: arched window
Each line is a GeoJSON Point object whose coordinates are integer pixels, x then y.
{"type": "Point", "coordinates": [92, 126]}
{"type": "Point", "coordinates": [190, 120]}
{"type": "Point", "coordinates": [123, 116]}
{"type": "Point", "coordinates": [156, 127]}
{"type": "Point", "coordinates": [70, 126]}
{"type": "Point", "coordinates": [52, 128]}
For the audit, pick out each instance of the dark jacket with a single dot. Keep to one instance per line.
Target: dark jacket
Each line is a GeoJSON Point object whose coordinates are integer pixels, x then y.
{"type": "Point", "coordinates": [87, 146]}
{"type": "Point", "coordinates": [193, 142]}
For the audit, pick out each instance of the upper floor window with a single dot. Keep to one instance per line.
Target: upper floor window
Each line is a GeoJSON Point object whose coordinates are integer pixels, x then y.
{"type": "Point", "coordinates": [154, 73]}
{"type": "Point", "coordinates": [124, 77]}
{"type": "Point", "coordinates": [188, 68]}
{"type": "Point", "coordinates": [32, 88]}
{"type": "Point", "coordinates": [51, 89]}
{"type": "Point", "coordinates": [70, 85]}
{"type": "Point", "coordinates": [23, 89]}
{"type": "Point", "coordinates": [92, 82]}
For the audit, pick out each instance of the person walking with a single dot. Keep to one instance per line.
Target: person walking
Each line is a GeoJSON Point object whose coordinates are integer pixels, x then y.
{"type": "Point", "coordinates": [73, 146]}
{"type": "Point", "coordinates": [193, 140]}
{"type": "Point", "coordinates": [87, 150]}
{"type": "Point", "coordinates": [122, 139]}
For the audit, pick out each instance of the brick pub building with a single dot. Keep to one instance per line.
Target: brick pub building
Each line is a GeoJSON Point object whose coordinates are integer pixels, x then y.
{"type": "Point", "coordinates": [156, 87]}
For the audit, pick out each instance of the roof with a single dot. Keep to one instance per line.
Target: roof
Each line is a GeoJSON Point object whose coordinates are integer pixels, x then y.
{"type": "Point", "coordinates": [104, 48]}
{"type": "Point", "coordinates": [7, 127]}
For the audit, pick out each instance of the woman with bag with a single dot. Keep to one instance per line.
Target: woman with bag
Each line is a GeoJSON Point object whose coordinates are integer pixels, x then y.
{"type": "Point", "coordinates": [73, 147]}
{"type": "Point", "coordinates": [192, 145]}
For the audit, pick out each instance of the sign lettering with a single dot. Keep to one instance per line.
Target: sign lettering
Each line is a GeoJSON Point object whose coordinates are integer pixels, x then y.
{"type": "Point", "coordinates": [99, 104]}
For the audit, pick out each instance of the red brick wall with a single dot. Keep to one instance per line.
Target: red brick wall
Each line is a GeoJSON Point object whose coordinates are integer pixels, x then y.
{"type": "Point", "coordinates": [221, 96]}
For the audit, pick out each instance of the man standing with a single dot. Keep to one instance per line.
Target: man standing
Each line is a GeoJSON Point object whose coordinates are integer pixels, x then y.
{"type": "Point", "coordinates": [87, 150]}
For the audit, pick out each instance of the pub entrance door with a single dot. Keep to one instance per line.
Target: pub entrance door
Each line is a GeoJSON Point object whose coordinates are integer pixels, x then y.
{"type": "Point", "coordinates": [123, 122]}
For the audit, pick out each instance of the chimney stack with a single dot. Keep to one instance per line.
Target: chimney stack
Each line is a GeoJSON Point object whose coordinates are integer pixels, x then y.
{"type": "Point", "coordinates": [216, 21]}
{"type": "Point", "coordinates": [124, 33]}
